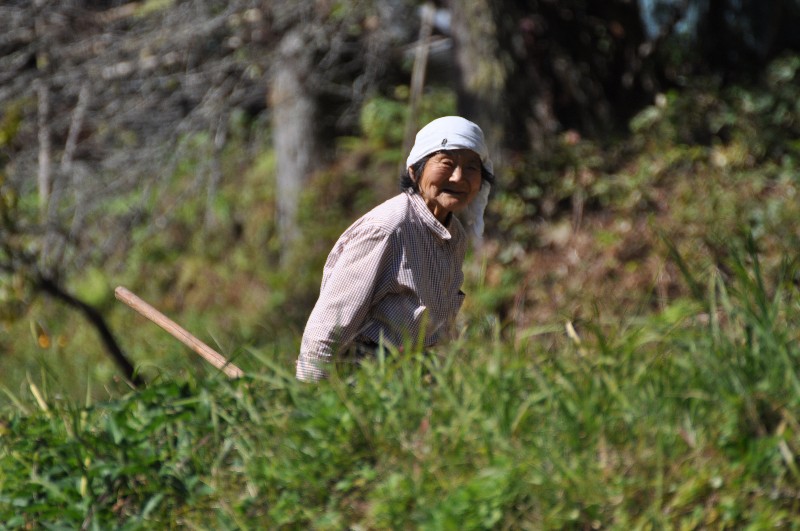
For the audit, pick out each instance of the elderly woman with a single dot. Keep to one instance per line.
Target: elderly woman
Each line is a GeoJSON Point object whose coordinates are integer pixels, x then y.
{"type": "Point", "coordinates": [395, 274]}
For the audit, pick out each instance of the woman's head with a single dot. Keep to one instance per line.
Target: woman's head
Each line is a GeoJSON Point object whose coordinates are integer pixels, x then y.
{"type": "Point", "coordinates": [449, 167]}
{"type": "Point", "coordinates": [449, 133]}
{"type": "Point", "coordinates": [407, 182]}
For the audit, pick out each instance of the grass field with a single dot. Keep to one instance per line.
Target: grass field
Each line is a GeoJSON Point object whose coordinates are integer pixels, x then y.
{"type": "Point", "coordinates": [686, 419]}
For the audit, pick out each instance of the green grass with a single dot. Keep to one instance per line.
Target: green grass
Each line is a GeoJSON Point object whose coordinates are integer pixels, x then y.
{"type": "Point", "coordinates": [685, 419]}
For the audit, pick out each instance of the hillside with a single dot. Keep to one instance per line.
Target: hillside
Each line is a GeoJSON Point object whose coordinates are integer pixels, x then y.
{"type": "Point", "coordinates": [630, 363]}
{"type": "Point", "coordinates": [628, 350]}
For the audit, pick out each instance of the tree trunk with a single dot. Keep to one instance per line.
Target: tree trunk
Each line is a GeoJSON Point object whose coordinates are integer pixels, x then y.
{"type": "Point", "coordinates": [44, 178]}
{"type": "Point", "coordinates": [294, 113]}
{"type": "Point", "coordinates": [482, 75]}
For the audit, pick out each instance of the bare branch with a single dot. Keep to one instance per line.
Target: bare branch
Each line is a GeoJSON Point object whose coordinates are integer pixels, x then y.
{"type": "Point", "coordinates": [44, 178]}
{"type": "Point", "coordinates": [75, 128]}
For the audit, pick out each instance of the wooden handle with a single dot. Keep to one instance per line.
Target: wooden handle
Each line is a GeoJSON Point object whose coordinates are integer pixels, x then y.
{"type": "Point", "coordinates": [208, 353]}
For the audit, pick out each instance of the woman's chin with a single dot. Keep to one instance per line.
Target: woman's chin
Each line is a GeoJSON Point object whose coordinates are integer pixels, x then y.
{"type": "Point", "coordinates": [453, 202]}
{"type": "Point", "coordinates": [456, 206]}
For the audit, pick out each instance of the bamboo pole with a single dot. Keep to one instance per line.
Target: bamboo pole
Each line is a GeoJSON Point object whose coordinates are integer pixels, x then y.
{"type": "Point", "coordinates": [207, 353]}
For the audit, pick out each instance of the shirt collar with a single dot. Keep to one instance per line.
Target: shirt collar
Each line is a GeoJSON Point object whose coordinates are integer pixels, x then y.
{"type": "Point", "coordinates": [427, 217]}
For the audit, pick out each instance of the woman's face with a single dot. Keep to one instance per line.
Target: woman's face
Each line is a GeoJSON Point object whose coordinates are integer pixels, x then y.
{"type": "Point", "coordinates": [450, 180]}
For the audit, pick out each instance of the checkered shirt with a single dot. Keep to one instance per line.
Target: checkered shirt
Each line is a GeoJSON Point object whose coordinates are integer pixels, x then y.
{"type": "Point", "coordinates": [393, 276]}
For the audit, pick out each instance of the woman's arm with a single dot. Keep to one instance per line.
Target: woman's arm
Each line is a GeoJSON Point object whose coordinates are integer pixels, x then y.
{"type": "Point", "coordinates": [355, 270]}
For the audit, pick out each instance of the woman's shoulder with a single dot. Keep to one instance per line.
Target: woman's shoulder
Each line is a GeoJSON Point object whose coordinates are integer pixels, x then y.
{"type": "Point", "coordinates": [389, 214]}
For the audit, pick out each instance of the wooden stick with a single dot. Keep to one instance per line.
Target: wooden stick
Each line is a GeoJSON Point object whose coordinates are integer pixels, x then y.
{"type": "Point", "coordinates": [418, 76]}
{"type": "Point", "coordinates": [207, 353]}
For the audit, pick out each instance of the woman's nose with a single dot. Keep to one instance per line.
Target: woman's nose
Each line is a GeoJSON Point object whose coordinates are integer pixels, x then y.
{"type": "Point", "coordinates": [457, 174]}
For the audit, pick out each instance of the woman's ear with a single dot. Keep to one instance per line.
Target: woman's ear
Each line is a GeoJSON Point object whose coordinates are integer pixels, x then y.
{"type": "Point", "coordinates": [411, 174]}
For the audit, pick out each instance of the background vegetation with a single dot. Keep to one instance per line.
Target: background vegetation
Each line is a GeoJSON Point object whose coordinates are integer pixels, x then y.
{"type": "Point", "coordinates": [629, 347]}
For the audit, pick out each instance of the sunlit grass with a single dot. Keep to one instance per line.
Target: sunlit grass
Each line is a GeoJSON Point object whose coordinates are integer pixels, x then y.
{"type": "Point", "coordinates": [685, 419]}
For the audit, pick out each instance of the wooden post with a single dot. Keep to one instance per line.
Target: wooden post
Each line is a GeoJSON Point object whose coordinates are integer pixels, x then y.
{"type": "Point", "coordinates": [418, 79]}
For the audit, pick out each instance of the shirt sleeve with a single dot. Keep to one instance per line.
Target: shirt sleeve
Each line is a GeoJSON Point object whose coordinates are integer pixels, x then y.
{"type": "Point", "coordinates": [356, 268]}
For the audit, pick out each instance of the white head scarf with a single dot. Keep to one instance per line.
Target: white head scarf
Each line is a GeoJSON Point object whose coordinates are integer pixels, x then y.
{"type": "Point", "coordinates": [455, 132]}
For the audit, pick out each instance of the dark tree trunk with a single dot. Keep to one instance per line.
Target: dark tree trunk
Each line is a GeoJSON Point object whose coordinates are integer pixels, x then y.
{"type": "Point", "coordinates": [483, 77]}
{"type": "Point", "coordinates": [535, 68]}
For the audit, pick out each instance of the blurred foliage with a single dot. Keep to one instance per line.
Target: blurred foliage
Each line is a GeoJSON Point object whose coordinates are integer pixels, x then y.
{"type": "Point", "coordinates": [626, 358]}
{"type": "Point", "coordinates": [382, 118]}
{"type": "Point", "coordinates": [760, 120]}
{"type": "Point", "coordinates": [10, 121]}
{"type": "Point", "coordinates": [575, 232]}
{"type": "Point", "coordinates": [576, 222]}
{"type": "Point", "coordinates": [732, 129]}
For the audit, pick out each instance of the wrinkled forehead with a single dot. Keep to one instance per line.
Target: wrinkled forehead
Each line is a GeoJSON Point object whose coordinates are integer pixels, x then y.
{"type": "Point", "coordinates": [461, 154]}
